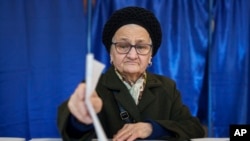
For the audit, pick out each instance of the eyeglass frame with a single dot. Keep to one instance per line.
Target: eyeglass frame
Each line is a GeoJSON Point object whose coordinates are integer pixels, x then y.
{"type": "Point", "coordinates": [135, 46]}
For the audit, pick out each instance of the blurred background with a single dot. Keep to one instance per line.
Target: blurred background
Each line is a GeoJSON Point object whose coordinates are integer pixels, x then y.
{"type": "Point", "coordinates": [43, 44]}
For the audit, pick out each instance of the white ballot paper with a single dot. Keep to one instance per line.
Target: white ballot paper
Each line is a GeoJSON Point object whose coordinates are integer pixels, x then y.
{"type": "Point", "coordinates": [93, 72]}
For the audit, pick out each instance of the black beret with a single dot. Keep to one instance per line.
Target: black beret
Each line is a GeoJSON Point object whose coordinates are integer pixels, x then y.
{"type": "Point", "coordinates": [132, 15]}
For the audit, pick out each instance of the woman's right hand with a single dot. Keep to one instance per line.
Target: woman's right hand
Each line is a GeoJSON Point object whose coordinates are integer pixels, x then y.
{"type": "Point", "coordinates": [77, 105]}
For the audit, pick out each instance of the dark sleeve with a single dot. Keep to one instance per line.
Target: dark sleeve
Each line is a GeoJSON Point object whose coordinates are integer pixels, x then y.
{"type": "Point", "coordinates": [68, 127]}
{"type": "Point", "coordinates": [77, 129]}
{"type": "Point", "coordinates": [181, 122]}
{"type": "Point", "coordinates": [158, 130]}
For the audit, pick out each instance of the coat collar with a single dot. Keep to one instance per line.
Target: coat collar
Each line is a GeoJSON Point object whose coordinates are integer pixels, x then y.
{"type": "Point", "coordinates": [112, 82]}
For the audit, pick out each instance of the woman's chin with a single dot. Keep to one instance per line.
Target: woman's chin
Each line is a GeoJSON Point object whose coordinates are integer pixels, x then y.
{"type": "Point", "coordinates": [131, 70]}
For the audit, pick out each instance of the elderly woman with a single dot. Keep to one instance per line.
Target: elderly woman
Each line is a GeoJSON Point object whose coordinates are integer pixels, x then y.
{"type": "Point", "coordinates": [131, 102]}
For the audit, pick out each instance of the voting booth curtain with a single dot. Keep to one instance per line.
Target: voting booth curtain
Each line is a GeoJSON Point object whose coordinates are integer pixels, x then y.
{"type": "Point", "coordinates": [43, 44]}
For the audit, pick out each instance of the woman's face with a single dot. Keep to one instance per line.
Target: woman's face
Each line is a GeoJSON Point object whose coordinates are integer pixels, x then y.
{"type": "Point", "coordinates": [131, 63]}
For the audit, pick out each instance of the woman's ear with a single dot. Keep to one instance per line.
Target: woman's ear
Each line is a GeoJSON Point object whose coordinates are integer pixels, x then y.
{"type": "Point", "coordinates": [111, 60]}
{"type": "Point", "coordinates": [150, 61]}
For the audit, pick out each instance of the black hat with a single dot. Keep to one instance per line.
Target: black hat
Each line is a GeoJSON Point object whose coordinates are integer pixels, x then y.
{"type": "Point", "coordinates": [132, 15]}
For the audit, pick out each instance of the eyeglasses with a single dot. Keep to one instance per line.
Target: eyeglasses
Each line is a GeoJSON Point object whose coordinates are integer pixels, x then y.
{"type": "Point", "coordinates": [125, 47]}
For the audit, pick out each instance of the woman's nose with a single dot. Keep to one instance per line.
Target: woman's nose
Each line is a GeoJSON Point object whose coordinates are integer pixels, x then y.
{"type": "Point", "coordinates": [132, 52]}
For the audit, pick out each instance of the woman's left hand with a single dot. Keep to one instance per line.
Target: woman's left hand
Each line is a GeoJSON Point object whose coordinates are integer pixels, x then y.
{"type": "Point", "coordinates": [133, 131]}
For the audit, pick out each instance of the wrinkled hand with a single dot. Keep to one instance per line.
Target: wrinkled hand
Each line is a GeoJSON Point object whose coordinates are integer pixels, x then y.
{"type": "Point", "coordinates": [77, 105]}
{"type": "Point", "coordinates": [133, 131]}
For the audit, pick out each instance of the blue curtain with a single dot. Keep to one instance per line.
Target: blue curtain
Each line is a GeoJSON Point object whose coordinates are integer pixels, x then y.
{"type": "Point", "coordinates": [42, 49]}
{"type": "Point", "coordinates": [229, 66]}
{"type": "Point", "coordinates": [43, 44]}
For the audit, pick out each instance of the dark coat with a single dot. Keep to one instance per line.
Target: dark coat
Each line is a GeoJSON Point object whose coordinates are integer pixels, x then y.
{"type": "Point", "coordinates": [160, 102]}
